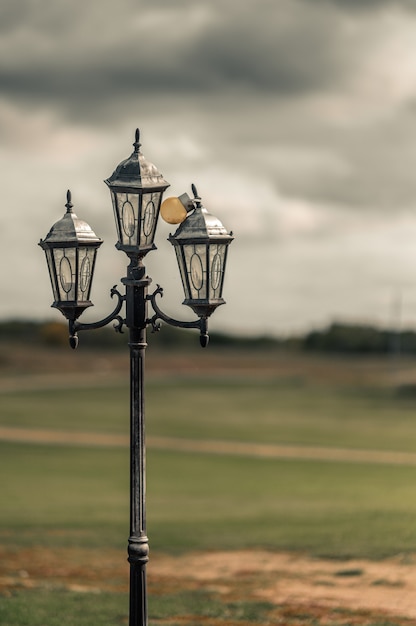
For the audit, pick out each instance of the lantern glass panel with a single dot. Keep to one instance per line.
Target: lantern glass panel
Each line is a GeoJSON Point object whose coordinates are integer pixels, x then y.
{"type": "Point", "coordinates": [182, 269]}
{"type": "Point", "coordinates": [136, 218]}
{"type": "Point", "coordinates": [217, 258]}
{"type": "Point", "coordinates": [149, 216]}
{"type": "Point", "coordinates": [52, 272]}
{"type": "Point", "coordinates": [195, 257]}
{"type": "Point", "coordinates": [126, 213]}
{"type": "Point", "coordinates": [71, 271]}
{"type": "Point", "coordinates": [86, 262]}
{"type": "Point", "coordinates": [66, 273]}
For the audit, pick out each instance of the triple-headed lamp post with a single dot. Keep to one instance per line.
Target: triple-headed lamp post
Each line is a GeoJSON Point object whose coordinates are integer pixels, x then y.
{"type": "Point", "coordinates": [201, 243]}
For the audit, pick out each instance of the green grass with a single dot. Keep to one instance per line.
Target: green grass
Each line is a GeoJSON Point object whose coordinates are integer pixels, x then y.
{"type": "Point", "coordinates": [63, 608]}
{"type": "Point", "coordinates": [78, 409]}
{"type": "Point", "coordinates": [240, 410]}
{"type": "Point", "coordinates": [289, 413]}
{"type": "Point", "coordinates": [79, 496]}
{"type": "Point", "coordinates": [328, 509]}
{"type": "Point", "coordinates": [207, 605]}
{"type": "Point", "coordinates": [81, 491]}
{"type": "Point", "coordinates": [203, 501]}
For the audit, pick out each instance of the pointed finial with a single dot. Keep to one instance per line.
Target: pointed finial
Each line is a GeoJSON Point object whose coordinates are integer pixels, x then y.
{"type": "Point", "coordinates": [197, 197]}
{"type": "Point", "coordinates": [69, 204]}
{"type": "Point", "coordinates": [137, 143]}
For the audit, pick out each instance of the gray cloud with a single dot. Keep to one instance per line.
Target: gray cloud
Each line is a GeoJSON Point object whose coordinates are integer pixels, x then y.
{"type": "Point", "coordinates": [369, 5]}
{"type": "Point", "coordinates": [251, 73]}
{"type": "Point", "coordinates": [294, 118]}
{"type": "Point", "coordinates": [271, 49]}
{"type": "Point", "coordinates": [87, 54]}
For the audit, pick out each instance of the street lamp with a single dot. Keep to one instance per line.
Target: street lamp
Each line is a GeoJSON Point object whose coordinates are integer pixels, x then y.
{"type": "Point", "coordinates": [71, 248]}
{"type": "Point", "coordinates": [201, 243]}
{"type": "Point", "coordinates": [136, 188]}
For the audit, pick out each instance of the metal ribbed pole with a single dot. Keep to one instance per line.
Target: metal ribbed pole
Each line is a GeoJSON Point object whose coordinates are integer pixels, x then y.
{"type": "Point", "coordinates": [138, 546]}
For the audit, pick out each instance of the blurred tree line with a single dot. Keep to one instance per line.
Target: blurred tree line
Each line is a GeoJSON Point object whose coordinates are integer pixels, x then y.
{"type": "Point", "coordinates": [55, 334]}
{"type": "Point", "coordinates": [336, 338]}
{"type": "Point", "coordinates": [361, 339]}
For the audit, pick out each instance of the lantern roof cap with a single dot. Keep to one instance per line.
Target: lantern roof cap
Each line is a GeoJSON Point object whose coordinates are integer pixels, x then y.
{"type": "Point", "coordinates": [70, 229]}
{"type": "Point", "coordinates": [199, 224]}
{"type": "Point", "coordinates": [137, 172]}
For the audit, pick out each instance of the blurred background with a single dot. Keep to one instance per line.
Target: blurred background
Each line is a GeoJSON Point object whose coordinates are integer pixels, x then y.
{"type": "Point", "coordinates": [295, 119]}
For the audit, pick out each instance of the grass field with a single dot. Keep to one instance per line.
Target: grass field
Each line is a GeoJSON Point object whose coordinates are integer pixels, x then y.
{"type": "Point", "coordinates": [57, 497]}
{"type": "Point", "coordinates": [79, 496]}
{"type": "Point", "coordinates": [262, 411]}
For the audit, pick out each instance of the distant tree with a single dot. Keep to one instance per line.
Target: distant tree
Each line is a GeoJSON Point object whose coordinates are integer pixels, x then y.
{"type": "Point", "coordinates": [337, 338]}
{"type": "Point", "coordinates": [347, 338]}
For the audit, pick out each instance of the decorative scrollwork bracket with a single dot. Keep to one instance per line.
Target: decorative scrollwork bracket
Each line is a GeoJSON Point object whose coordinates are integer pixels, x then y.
{"type": "Point", "coordinates": [75, 326]}
{"type": "Point", "coordinates": [201, 323]}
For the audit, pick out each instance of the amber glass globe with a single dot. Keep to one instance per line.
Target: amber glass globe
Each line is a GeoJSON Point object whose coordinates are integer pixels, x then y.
{"type": "Point", "coordinates": [173, 211]}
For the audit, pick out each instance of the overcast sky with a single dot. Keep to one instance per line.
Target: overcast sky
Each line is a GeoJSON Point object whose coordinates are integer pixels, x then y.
{"type": "Point", "coordinates": [296, 120]}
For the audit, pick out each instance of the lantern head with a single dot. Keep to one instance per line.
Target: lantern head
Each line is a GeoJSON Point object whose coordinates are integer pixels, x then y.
{"type": "Point", "coordinates": [201, 244]}
{"type": "Point", "coordinates": [136, 188]}
{"type": "Point", "coordinates": [71, 248]}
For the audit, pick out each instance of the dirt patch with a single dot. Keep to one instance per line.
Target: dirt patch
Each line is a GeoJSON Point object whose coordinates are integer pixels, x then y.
{"type": "Point", "coordinates": [238, 448]}
{"type": "Point", "coordinates": [41, 368]}
{"type": "Point", "coordinates": [285, 579]}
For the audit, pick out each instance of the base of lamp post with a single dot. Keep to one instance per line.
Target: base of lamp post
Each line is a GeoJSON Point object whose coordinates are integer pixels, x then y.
{"type": "Point", "coordinates": [138, 551]}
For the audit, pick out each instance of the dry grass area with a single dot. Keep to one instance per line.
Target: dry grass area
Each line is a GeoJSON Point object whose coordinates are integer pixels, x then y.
{"type": "Point", "coordinates": [303, 589]}
{"type": "Point", "coordinates": [85, 365]}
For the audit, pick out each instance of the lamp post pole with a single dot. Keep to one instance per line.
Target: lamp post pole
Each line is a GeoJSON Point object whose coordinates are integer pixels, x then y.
{"type": "Point", "coordinates": [138, 546]}
{"type": "Point", "coordinates": [201, 243]}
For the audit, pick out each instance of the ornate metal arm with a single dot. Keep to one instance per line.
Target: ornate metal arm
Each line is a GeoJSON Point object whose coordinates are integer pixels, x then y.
{"type": "Point", "coordinates": [75, 326]}
{"type": "Point", "coordinates": [201, 323]}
